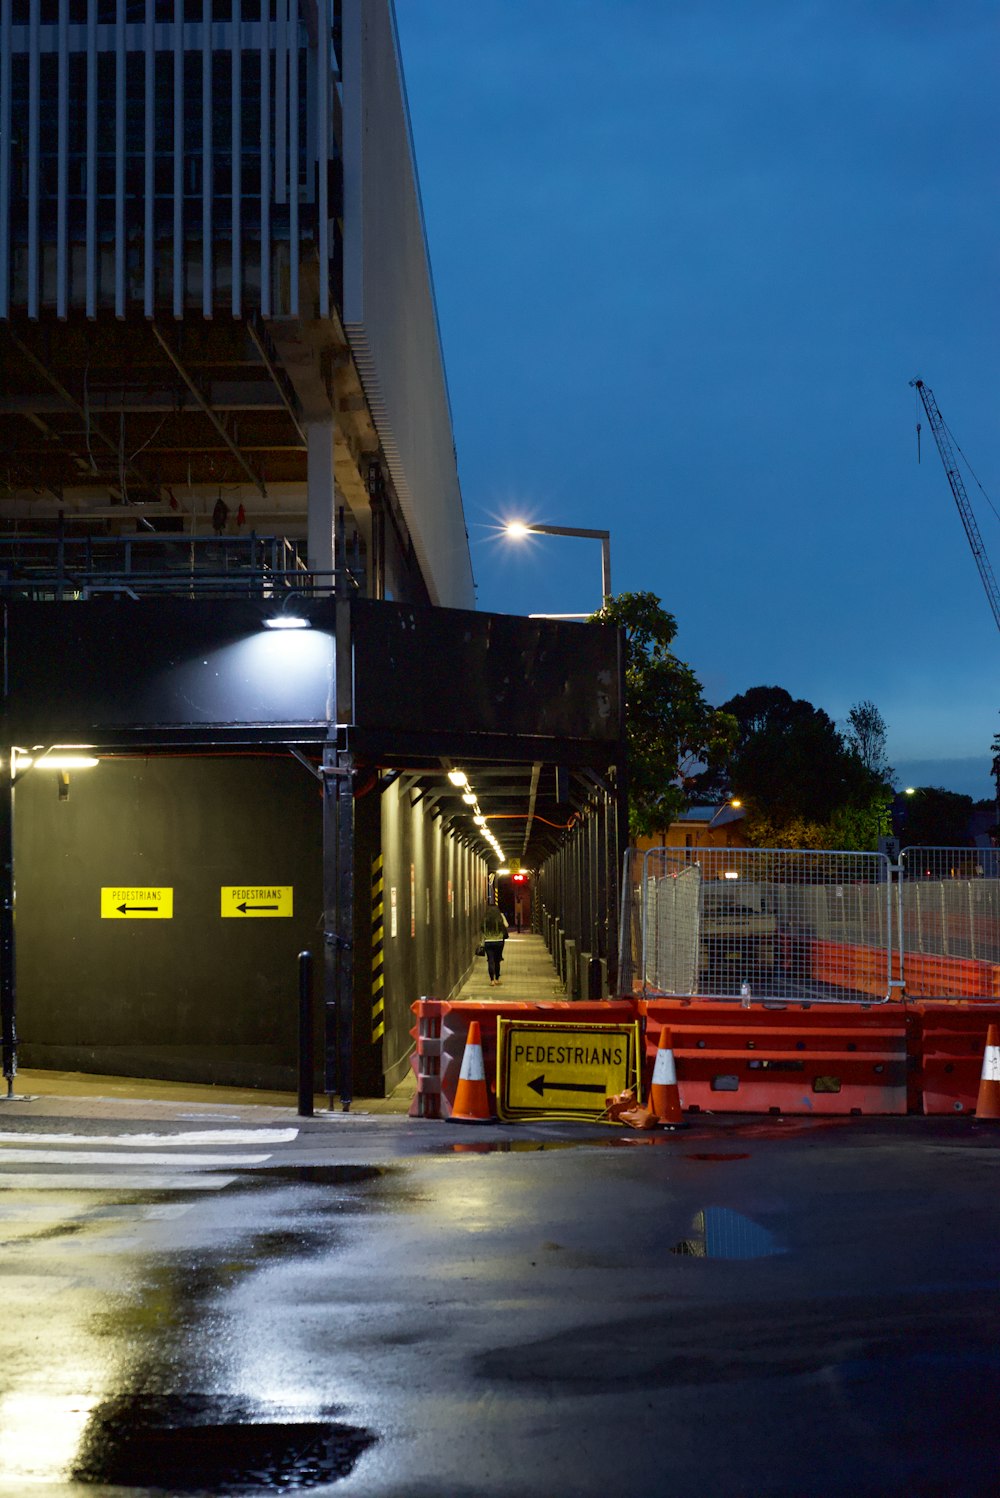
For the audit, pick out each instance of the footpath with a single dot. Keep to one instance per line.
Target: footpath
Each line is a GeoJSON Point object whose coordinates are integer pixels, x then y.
{"type": "Point", "coordinates": [527, 974]}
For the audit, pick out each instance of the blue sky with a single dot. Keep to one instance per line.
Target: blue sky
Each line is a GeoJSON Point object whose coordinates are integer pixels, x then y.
{"type": "Point", "coordinates": [688, 255]}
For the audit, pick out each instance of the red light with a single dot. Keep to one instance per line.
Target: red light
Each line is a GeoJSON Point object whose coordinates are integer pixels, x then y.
{"type": "Point", "coordinates": [519, 878]}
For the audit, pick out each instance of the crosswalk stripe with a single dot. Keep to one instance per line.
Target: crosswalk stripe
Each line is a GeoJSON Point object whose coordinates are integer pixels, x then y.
{"type": "Point", "coordinates": [143, 1141]}
{"type": "Point", "coordinates": [112, 1157]}
{"type": "Point", "coordinates": [119, 1181]}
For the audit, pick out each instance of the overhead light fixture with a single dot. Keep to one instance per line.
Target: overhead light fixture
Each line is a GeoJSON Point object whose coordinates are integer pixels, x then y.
{"type": "Point", "coordinates": [479, 820]}
{"type": "Point", "coordinates": [458, 777]}
{"type": "Point", "coordinates": [62, 761]}
{"type": "Point", "coordinates": [66, 762]}
{"type": "Point", "coordinates": [285, 616]}
{"type": "Point", "coordinates": [287, 621]}
{"type": "Point", "coordinates": [469, 797]}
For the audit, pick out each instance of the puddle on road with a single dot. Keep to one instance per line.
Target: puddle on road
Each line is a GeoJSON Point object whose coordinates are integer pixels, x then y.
{"type": "Point", "coordinates": [721, 1233]}
{"type": "Point", "coordinates": [192, 1445]}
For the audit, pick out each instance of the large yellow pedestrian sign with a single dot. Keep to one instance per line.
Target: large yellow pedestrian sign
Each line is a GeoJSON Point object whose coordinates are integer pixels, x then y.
{"type": "Point", "coordinates": [131, 902]}
{"type": "Point", "coordinates": [256, 901]}
{"type": "Point", "coordinates": [548, 1067]}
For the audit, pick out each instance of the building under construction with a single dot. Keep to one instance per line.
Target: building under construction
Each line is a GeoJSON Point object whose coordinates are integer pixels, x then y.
{"type": "Point", "coordinates": [223, 413]}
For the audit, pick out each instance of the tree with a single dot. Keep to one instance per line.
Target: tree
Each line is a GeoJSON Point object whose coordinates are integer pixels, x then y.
{"type": "Point", "coordinates": [935, 818]}
{"type": "Point", "coordinates": [866, 738]}
{"type": "Point", "coordinates": [669, 725]}
{"type": "Point", "coordinates": [804, 785]}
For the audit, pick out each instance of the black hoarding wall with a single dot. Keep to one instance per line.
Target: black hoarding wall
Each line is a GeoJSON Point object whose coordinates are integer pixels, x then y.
{"type": "Point", "coordinates": [434, 889]}
{"type": "Point", "coordinates": [197, 996]}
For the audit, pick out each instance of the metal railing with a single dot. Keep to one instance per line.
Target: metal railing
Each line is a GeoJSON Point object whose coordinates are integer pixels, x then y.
{"type": "Point", "coordinates": [66, 567]}
{"type": "Point", "coordinates": [815, 926]}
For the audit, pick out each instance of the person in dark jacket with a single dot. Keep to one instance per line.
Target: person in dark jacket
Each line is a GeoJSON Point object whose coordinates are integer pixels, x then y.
{"type": "Point", "coordinates": [494, 934]}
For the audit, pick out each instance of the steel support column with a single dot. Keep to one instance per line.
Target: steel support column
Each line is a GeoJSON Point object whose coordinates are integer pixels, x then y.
{"type": "Point", "coordinates": [320, 494]}
{"type": "Point", "coordinates": [338, 904]}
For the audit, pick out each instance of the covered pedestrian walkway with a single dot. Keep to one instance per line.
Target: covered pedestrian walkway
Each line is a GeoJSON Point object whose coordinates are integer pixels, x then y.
{"type": "Point", "coordinates": [527, 975]}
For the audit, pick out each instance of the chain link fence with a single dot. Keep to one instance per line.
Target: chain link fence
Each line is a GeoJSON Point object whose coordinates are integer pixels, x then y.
{"type": "Point", "coordinates": [772, 923]}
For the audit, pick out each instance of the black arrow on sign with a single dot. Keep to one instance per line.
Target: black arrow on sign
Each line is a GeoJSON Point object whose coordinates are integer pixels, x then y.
{"type": "Point", "coordinates": [540, 1086]}
{"type": "Point", "coordinates": [124, 909]}
{"type": "Point", "coordinates": [245, 907]}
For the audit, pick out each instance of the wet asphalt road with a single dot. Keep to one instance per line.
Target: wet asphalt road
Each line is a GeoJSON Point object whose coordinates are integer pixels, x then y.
{"type": "Point", "coordinates": [388, 1307]}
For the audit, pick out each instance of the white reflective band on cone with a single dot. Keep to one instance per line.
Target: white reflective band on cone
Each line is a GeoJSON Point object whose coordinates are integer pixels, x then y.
{"type": "Point", "coordinates": [473, 1069]}
{"type": "Point", "coordinates": [664, 1070]}
{"type": "Point", "coordinates": [991, 1064]}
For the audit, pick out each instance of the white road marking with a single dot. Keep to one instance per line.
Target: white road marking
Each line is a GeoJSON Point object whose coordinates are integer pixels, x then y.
{"type": "Point", "coordinates": [143, 1141]}
{"type": "Point", "coordinates": [119, 1181]}
{"type": "Point", "coordinates": [74, 1157]}
{"type": "Point", "coordinates": [45, 1211]}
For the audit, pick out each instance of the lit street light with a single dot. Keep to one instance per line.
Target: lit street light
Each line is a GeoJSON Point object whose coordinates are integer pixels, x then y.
{"type": "Point", "coordinates": [520, 528]}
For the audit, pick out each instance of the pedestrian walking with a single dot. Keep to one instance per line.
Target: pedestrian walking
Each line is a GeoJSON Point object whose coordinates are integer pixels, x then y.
{"type": "Point", "coordinates": [494, 934]}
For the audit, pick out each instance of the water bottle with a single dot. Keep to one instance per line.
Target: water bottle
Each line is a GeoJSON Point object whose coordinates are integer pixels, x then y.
{"type": "Point", "coordinates": [745, 994]}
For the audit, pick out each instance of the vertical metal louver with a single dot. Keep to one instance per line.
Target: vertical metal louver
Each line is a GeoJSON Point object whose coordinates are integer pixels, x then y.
{"type": "Point", "coordinates": [165, 156]}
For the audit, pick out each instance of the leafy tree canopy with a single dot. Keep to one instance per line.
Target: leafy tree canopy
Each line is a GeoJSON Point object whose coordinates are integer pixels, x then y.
{"type": "Point", "coordinates": [935, 818]}
{"type": "Point", "coordinates": [804, 783]}
{"type": "Point", "coordinates": [669, 725]}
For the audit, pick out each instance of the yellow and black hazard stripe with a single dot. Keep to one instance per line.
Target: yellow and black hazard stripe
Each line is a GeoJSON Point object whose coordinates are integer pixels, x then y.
{"type": "Point", "coordinates": [378, 938]}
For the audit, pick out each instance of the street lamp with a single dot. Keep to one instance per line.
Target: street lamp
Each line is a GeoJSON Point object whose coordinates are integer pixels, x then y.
{"type": "Point", "coordinates": [520, 528]}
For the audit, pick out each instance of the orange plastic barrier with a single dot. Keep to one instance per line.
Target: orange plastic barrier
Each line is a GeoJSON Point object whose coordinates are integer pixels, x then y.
{"type": "Point", "coordinates": [928, 975]}
{"type": "Point", "coordinates": [798, 1058]}
{"type": "Point", "coordinates": [807, 1059]}
{"type": "Point", "coordinates": [845, 965]}
{"type": "Point", "coordinates": [947, 1043]}
{"type": "Point", "coordinates": [442, 1028]}
{"type": "Point", "coordinates": [932, 977]}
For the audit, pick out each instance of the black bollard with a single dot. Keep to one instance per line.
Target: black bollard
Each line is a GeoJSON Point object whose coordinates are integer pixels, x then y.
{"type": "Point", "coordinates": [305, 1036]}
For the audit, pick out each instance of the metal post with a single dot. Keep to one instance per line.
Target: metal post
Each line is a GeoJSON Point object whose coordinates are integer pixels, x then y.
{"type": "Point", "coordinates": [8, 989]}
{"type": "Point", "coordinates": [345, 917]}
{"type": "Point", "coordinates": [338, 901]}
{"type": "Point", "coordinates": [305, 1035]}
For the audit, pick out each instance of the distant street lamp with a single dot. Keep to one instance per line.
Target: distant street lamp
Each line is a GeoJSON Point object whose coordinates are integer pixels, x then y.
{"type": "Point", "coordinates": [732, 805]}
{"type": "Point", "coordinates": [517, 529]}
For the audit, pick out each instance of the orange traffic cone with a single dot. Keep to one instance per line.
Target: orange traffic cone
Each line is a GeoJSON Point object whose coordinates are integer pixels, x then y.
{"type": "Point", "coordinates": [472, 1098]}
{"type": "Point", "coordinates": [664, 1096]}
{"type": "Point", "coordinates": [988, 1101]}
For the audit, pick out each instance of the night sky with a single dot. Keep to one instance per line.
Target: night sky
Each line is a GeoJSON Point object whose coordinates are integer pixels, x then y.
{"type": "Point", "coordinates": [688, 255]}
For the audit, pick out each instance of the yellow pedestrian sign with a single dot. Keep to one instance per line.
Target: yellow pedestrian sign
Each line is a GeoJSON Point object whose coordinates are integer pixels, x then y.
{"type": "Point", "coordinates": [547, 1067]}
{"type": "Point", "coordinates": [256, 901]}
{"type": "Point", "coordinates": [131, 902]}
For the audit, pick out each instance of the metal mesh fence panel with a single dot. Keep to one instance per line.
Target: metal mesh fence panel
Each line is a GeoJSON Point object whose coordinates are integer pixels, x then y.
{"type": "Point", "coordinates": [761, 923]}
{"type": "Point", "coordinates": [949, 908]}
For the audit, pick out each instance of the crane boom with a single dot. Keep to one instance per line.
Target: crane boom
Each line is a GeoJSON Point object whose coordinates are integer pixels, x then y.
{"type": "Point", "coordinates": [961, 497]}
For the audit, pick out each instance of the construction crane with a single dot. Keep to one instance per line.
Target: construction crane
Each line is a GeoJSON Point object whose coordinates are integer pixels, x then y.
{"type": "Point", "coordinates": [965, 509]}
